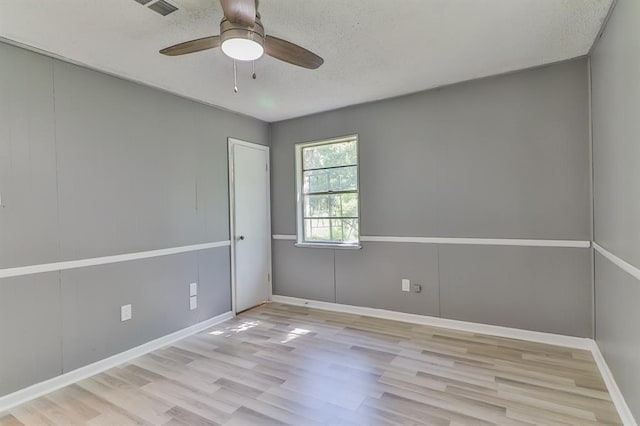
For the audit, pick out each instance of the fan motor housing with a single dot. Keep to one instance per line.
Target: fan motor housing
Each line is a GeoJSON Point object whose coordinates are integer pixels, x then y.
{"type": "Point", "coordinates": [229, 30]}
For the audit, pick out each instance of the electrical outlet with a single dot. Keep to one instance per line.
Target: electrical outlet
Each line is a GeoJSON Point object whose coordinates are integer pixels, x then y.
{"type": "Point", "coordinates": [406, 285]}
{"type": "Point", "coordinates": [125, 313]}
{"type": "Point", "coordinates": [193, 289]}
{"type": "Point", "coordinates": [417, 288]}
{"type": "Point", "coordinates": [193, 303]}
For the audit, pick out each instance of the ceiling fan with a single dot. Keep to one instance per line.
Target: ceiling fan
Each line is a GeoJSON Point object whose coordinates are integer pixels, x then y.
{"type": "Point", "coordinates": [242, 38]}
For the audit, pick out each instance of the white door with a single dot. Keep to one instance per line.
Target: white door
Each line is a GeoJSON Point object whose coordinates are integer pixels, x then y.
{"type": "Point", "coordinates": [250, 223]}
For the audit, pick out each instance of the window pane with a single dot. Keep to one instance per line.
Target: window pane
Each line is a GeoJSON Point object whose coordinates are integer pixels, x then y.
{"type": "Point", "coordinates": [344, 179]}
{"type": "Point", "coordinates": [330, 155]}
{"type": "Point", "coordinates": [316, 181]}
{"type": "Point", "coordinates": [345, 230]}
{"type": "Point", "coordinates": [331, 205]}
{"type": "Point", "coordinates": [317, 206]}
{"type": "Point", "coordinates": [340, 179]}
{"type": "Point", "coordinates": [344, 205]}
{"type": "Point", "coordinates": [331, 230]}
{"type": "Point", "coordinates": [317, 230]}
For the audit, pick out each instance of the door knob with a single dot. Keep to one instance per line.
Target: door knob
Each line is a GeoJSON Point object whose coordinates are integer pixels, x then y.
{"type": "Point", "coordinates": [241, 237]}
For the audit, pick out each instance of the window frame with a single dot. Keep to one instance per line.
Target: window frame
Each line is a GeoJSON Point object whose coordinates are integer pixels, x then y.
{"type": "Point", "coordinates": [300, 236]}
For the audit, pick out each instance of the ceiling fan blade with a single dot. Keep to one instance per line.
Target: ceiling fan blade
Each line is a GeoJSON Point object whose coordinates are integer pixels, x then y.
{"type": "Point", "coordinates": [192, 46]}
{"type": "Point", "coordinates": [291, 53]}
{"type": "Point", "coordinates": [240, 11]}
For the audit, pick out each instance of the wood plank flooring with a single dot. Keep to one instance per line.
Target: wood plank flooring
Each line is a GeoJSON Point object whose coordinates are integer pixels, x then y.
{"type": "Point", "coordinates": [280, 364]}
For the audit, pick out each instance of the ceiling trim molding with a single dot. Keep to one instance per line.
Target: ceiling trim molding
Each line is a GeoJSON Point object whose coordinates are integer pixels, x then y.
{"type": "Point", "coordinates": [443, 86]}
{"type": "Point", "coordinates": [602, 28]}
{"type": "Point", "coordinates": [80, 64]}
{"type": "Point", "coordinates": [199, 101]}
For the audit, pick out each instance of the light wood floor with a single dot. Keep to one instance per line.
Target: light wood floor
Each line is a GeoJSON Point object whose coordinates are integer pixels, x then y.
{"type": "Point", "coordinates": [280, 364]}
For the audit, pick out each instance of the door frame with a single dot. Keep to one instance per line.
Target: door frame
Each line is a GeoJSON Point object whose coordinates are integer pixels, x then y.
{"type": "Point", "coordinates": [231, 143]}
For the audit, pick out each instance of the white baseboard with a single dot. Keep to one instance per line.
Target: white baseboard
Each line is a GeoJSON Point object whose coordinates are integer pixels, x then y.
{"type": "Point", "coordinates": [55, 383]}
{"type": "Point", "coordinates": [612, 387]}
{"type": "Point", "coordinates": [493, 330]}
{"type": "Point", "coordinates": [43, 388]}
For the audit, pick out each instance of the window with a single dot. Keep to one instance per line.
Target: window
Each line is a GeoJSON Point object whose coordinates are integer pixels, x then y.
{"type": "Point", "coordinates": [328, 198]}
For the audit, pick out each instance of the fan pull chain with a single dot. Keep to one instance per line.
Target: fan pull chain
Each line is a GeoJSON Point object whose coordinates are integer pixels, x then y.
{"type": "Point", "coordinates": [235, 77]}
{"type": "Point", "coordinates": [253, 67]}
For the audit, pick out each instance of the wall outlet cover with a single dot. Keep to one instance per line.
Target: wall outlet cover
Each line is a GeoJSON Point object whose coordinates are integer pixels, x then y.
{"type": "Point", "coordinates": [406, 285]}
{"type": "Point", "coordinates": [125, 313]}
{"type": "Point", "coordinates": [193, 303]}
{"type": "Point", "coordinates": [193, 289]}
{"type": "Point", "coordinates": [417, 288]}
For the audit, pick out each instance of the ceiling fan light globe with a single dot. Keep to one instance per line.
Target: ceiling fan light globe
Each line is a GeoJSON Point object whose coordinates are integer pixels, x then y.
{"type": "Point", "coordinates": [242, 49]}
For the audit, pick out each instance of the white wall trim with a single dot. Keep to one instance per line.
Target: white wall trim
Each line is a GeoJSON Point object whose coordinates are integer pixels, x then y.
{"type": "Point", "coordinates": [614, 391]}
{"type": "Point", "coordinates": [82, 263]}
{"type": "Point", "coordinates": [493, 330]}
{"type": "Point", "coordinates": [465, 241]}
{"type": "Point", "coordinates": [283, 237]}
{"type": "Point", "coordinates": [622, 264]}
{"type": "Point", "coordinates": [481, 241]}
{"type": "Point", "coordinates": [42, 388]}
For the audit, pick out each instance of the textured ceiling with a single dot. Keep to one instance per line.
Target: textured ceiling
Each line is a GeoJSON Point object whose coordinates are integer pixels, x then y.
{"type": "Point", "coordinates": [373, 49]}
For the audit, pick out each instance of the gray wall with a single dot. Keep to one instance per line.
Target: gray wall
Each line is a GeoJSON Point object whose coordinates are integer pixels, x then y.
{"type": "Point", "coordinates": [505, 157]}
{"type": "Point", "coordinates": [616, 108]}
{"type": "Point", "coordinates": [91, 165]}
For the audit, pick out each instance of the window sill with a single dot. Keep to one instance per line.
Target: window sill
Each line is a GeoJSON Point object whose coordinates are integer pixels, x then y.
{"type": "Point", "coordinates": [330, 246]}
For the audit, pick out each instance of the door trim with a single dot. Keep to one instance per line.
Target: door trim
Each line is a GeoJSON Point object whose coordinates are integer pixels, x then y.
{"type": "Point", "coordinates": [231, 142]}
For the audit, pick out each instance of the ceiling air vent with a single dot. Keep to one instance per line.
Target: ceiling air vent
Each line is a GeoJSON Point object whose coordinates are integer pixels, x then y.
{"type": "Point", "coordinates": [162, 7]}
